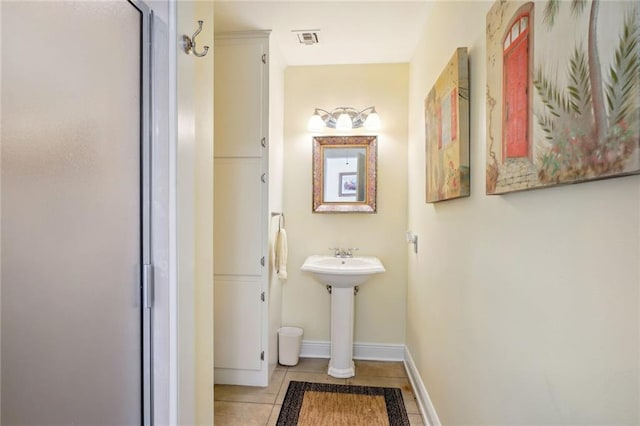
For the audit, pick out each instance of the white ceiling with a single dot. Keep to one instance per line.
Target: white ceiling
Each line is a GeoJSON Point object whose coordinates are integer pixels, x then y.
{"type": "Point", "coordinates": [351, 32]}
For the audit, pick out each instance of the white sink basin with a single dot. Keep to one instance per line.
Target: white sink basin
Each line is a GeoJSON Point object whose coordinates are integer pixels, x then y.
{"type": "Point", "coordinates": [342, 272]}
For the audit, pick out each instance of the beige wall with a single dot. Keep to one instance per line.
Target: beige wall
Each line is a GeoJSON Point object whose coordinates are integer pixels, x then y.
{"type": "Point", "coordinates": [204, 262]}
{"type": "Point", "coordinates": [522, 308]}
{"type": "Point", "coordinates": [380, 305]}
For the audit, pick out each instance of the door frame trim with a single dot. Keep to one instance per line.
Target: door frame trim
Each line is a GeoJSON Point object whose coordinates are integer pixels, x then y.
{"type": "Point", "coordinates": [145, 204]}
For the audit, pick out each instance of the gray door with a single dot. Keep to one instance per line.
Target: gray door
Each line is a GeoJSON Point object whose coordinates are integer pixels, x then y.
{"type": "Point", "coordinates": [71, 195]}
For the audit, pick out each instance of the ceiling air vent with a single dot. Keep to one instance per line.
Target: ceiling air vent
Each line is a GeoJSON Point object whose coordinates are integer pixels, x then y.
{"type": "Point", "coordinates": [307, 36]}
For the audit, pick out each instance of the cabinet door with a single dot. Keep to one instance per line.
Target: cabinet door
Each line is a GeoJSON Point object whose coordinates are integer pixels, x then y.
{"type": "Point", "coordinates": [238, 311]}
{"type": "Point", "coordinates": [240, 97]}
{"type": "Point", "coordinates": [238, 216]}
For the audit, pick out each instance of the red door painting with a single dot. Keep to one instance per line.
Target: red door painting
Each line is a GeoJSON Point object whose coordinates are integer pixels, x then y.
{"type": "Point", "coordinates": [516, 93]}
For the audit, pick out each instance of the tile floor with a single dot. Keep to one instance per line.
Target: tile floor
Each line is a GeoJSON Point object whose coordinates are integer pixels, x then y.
{"type": "Point", "coordinates": [248, 406]}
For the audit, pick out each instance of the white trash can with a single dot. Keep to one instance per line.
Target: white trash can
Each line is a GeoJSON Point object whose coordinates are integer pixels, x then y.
{"type": "Point", "coordinates": [289, 342]}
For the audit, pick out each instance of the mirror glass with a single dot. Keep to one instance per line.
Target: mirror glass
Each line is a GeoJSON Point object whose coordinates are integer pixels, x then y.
{"type": "Point", "coordinates": [344, 174]}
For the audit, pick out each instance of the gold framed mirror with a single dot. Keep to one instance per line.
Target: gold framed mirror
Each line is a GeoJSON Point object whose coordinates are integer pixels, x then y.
{"type": "Point", "coordinates": [344, 174]}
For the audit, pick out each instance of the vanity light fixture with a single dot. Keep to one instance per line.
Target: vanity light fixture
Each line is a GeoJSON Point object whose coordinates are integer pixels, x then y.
{"type": "Point", "coordinates": [344, 118]}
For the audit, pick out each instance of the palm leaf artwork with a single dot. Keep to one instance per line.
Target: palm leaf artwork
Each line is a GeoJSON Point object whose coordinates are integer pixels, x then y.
{"type": "Point", "coordinates": [585, 107]}
{"type": "Point", "coordinates": [567, 119]}
{"type": "Point", "coordinates": [556, 104]}
{"type": "Point", "coordinates": [577, 7]}
{"type": "Point", "coordinates": [552, 98]}
{"type": "Point", "coordinates": [579, 88]}
{"type": "Point", "coordinates": [550, 12]}
{"type": "Point", "coordinates": [547, 124]}
{"type": "Point", "coordinates": [623, 86]}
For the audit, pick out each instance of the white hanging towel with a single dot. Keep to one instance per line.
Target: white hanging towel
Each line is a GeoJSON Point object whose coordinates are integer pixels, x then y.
{"type": "Point", "coordinates": [272, 252]}
{"type": "Point", "coordinates": [281, 254]}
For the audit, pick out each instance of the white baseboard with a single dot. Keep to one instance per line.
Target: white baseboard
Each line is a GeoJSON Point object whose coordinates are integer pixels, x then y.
{"type": "Point", "coordinates": [429, 415]}
{"type": "Point", "coordinates": [365, 351]}
{"type": "Point", "coordinates": [315, 349]}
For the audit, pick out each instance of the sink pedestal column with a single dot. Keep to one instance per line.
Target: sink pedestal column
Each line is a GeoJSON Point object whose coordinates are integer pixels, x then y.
{"type": "Point", "coordinates": [341, 363]}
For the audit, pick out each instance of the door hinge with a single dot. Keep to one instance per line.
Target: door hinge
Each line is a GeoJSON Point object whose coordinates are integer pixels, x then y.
{"type": "Point", "coordinates": [262, 296]}
{"type": "Point", "coordinates": [262, 356]}
{"type": "Point", "coordinates": [262, 260]}
{"type": "Point", "coordinates": [147, 286]}
{"type": "Point", "coordinates": [264, 58]}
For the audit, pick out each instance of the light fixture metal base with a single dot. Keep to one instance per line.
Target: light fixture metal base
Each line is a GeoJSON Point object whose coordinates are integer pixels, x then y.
{"type": "Point", "coordinates": [331, 119]}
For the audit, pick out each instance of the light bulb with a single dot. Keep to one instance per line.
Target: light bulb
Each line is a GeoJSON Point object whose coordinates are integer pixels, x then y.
{"type": "Point", "coordinates": [344, 122]}
{"type": "Point", "coordinates": [316, 123]}
{"type": "Point", "coordinates": [373, 121]}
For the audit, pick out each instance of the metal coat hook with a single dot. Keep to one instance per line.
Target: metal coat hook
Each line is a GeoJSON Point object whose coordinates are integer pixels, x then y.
{"type": "Point", "coordinates": [190, 42]}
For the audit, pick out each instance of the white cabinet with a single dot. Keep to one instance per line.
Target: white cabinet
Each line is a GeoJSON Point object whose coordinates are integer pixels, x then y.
{"type": "Point", "coordinates": [241, 216]}
{"type": "Point", "coordinates": [238, 212]}
{"type": "Point", "coordinates": [238, 325]}
{"type": "Point", "coordinates": [241, 94]}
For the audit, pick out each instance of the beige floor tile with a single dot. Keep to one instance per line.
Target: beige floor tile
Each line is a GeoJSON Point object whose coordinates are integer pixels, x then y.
{"type": "Point", "coordinates": [305, 377]}
{"type": "Point", "coordinates": [380, 369]}
{"type": "Point", "coordinates": [241, 413]}
{"type": "Point", "coordinates": [311, 365]}
{"type": "Point", "coordinates": [415, 420]}
{"type": "Point", "coordinates": [273, 419]}
{"type": "Point", "coordinates": [277, 378]}
{"type": "Point", "coordinates": [410, 403]}
{"type": "Point", "coordinates": [251, 393]}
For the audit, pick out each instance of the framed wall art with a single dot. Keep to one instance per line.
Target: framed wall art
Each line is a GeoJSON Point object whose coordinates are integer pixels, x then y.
{"type": "Point", "coordinates": [563, 93]}
{"type": "Point", "coordinates": [345, 174]}
{"type": "Point", "coordinates": [348, 184]}
{"type": "Point", "coordinates": [446, 111]}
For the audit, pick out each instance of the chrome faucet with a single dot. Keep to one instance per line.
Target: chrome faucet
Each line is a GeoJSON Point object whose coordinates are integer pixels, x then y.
{"type": "Point", "coordinates": [342, 253]}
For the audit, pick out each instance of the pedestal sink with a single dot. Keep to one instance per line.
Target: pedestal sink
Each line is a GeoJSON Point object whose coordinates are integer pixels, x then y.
{"type": "Point", "coordinates": [342, 274]}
